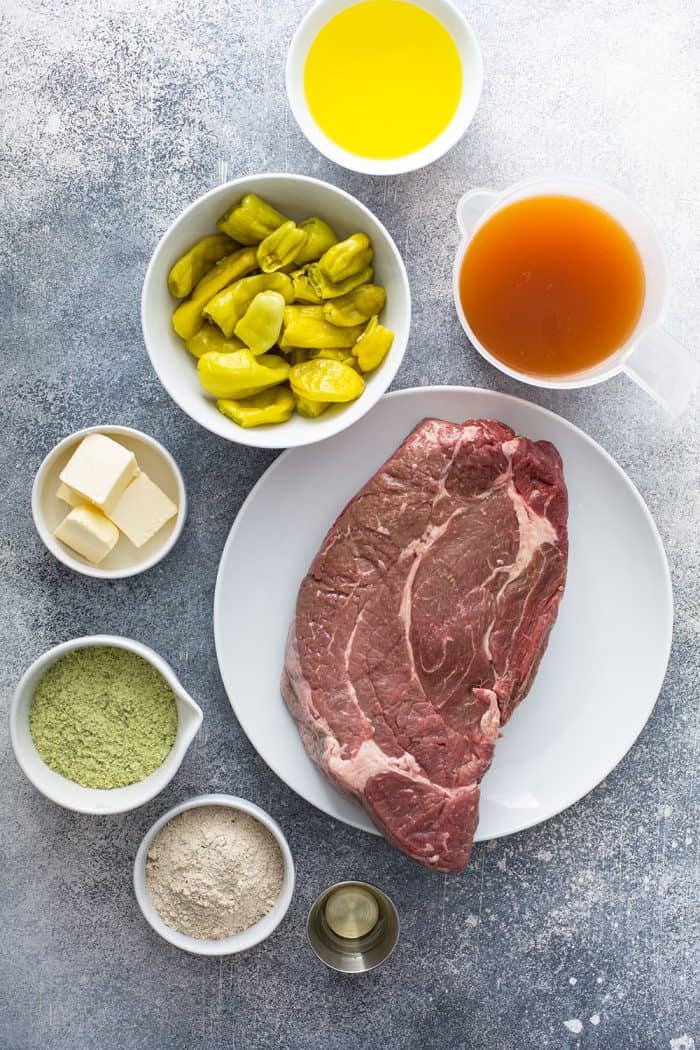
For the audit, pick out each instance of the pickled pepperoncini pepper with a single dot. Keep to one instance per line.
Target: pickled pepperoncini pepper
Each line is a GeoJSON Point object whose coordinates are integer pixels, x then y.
{"type": "Point", "coordinates": [269, 406]}
{"type": "Point", "coordinates": [373, 345]}
{"type": "Point", "coordinates": [323, 380]}
{"type": "Point", "coordinates": [320, 237]}
{"type": "Point", "coordinates": [240, 374]}
{"type": "Point", "coordinates": [303, 292]}
{"type": "Point", "coordinates": [326, 289]}
{"type": "Point", "coordinates": [311, 409]}
{"type": "Point", "coordinates": [251, 220]}
{"type": "Point", "coordinates": [191, 267]}
{"type": "Point", "coordinates": [227, 308]}
{"type": "Point", "coordinates": [346, 258]}
{"type": "Point", "coordinates": [305, 326]}
{"type": "Point", "coordinates": [281, 247]}
{"type": "Point", "coordinates": [355, 307]}
{"type": "Point", "coordinates": [209, 337]}
{"type": "Point", "coordinates": [261, 323]}
{"type": "Point", "coordinates": [187, 318]}
{"type": "Point", "coordinates": [330, 354]}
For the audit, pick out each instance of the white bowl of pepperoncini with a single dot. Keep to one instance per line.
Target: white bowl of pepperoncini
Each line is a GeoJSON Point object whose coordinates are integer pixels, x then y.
{"type": "Point", "coordinates": [171, 331]}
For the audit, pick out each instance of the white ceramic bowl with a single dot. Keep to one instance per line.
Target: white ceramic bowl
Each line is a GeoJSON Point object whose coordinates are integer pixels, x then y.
{"type": "Point", "coordinates": [472, 72]}
{"type": "Point", "coordinates": [226, 945]}
{"type": "Point", "coordinates": [298, 197]}
{"type": "Point", "coordinates": [125, 560]}
{"type": "Point", "coordinates": [65, 792]}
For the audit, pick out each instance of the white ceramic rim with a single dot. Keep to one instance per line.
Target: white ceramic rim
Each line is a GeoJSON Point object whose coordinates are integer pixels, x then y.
{"type": "Point", "coordinates": [111, 799]}
{"type": "Point", "coordinates": [279, 464]}
{"type": "Point", "coordinates": [61, 552]}
{"type": "Point", "coordinates": [574, 187]}
{"type": "Point", "coordinates": [240, 942]}
{"type": "Point", "coordinates": [389, 367]}
{"type": "Point", "coordinates": [294, 79]}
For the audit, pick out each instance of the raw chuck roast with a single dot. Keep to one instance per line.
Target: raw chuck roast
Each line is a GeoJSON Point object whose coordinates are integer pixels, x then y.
{"type": "Point", "coordinates": [421, 623]}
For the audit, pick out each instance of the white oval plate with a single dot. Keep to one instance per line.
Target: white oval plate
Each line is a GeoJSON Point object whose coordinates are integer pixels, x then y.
{"type": "Point", "coordinates": [608, 651]}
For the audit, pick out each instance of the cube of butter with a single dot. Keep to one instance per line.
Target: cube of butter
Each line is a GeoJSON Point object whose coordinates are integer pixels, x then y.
{"type": "Point", "coordinates": [68, 495]}
{"type": "Point", "coordinates": [142, 510]}
{"type": "Point", "coordinates": [99, 470]}
{"type": "Point", "coordinates": [87, 531]}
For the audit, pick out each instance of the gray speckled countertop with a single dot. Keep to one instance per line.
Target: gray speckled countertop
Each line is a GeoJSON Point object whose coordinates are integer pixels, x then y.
{"type": "Point", "coordinates": [580, 932]}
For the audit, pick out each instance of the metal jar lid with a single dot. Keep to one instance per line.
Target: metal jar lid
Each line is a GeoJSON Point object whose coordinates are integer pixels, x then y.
{"type": "Point", "coordinates": [353, 927]}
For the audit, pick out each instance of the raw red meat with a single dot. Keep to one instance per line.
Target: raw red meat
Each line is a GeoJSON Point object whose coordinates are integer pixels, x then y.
{"type": "Point", "coordinates": [421, 623]}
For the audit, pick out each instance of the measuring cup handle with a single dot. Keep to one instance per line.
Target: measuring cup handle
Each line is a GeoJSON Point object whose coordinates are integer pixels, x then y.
{"type": "Point", "coordinates": [664, 369]}
{"type": "Point", "coordinates": [472, 206]}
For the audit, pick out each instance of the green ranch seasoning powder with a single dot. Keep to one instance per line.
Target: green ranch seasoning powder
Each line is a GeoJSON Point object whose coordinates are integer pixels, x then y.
{"type": "Point", "coordinates": [103, 717]}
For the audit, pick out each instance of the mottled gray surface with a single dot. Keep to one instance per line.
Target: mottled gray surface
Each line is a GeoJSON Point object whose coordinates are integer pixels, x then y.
{"type": "Point", "coordinates": [576, 933]}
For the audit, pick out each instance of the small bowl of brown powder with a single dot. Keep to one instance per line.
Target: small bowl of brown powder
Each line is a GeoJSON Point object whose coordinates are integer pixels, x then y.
{"type": "Point", "coordinates": [214, 876]}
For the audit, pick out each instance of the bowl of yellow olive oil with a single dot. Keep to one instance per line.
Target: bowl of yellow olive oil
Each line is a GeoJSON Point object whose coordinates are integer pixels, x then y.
{"type": "Point", "coordinates": [101, 724]}
{"type": "Point", "coordinates": [276, 310]}
{"type": "Point", "coordinates": [384, 86]}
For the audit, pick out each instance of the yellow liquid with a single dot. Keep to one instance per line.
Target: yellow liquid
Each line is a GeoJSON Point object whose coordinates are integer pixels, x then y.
{"type": "Point", "coordinates": [383, 78]}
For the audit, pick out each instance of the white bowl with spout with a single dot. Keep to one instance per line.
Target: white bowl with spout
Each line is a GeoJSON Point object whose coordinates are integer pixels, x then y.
{"type": "Point", "coordinates": [66, 792]}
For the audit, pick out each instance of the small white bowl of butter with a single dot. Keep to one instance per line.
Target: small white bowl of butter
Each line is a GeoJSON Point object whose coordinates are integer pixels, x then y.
{"type": "Point", "coordinates": [107, 501]}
